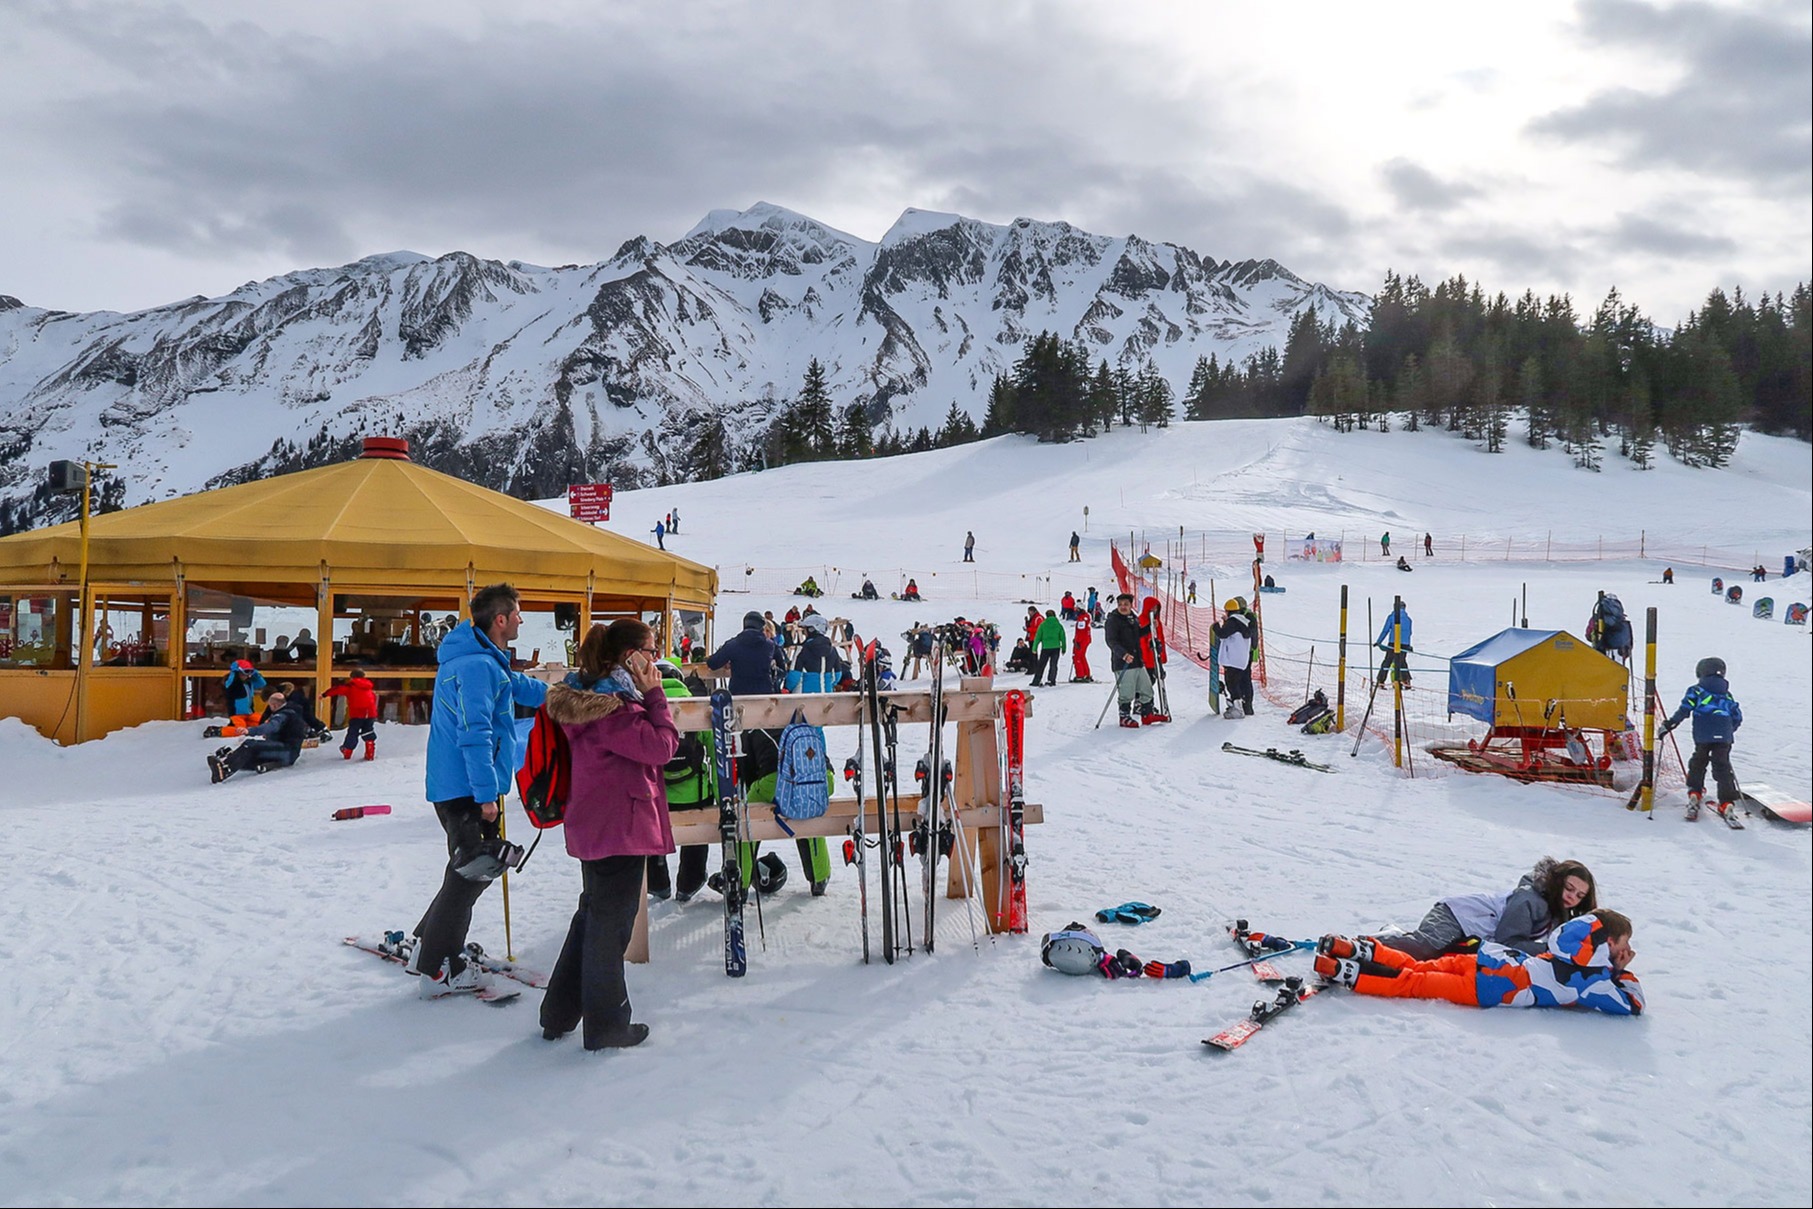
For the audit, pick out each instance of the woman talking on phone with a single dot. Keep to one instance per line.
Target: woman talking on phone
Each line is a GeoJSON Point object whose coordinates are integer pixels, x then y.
{"type": "Point", "coordinates": [615, 717]}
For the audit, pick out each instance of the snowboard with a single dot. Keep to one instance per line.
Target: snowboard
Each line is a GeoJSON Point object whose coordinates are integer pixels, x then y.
{"type": "Point", "coordinates": [1782, 807]}
{"type": "Point", "coordinates": [359, 812]}
{"type": "Point", "coordinates": [499, 992]}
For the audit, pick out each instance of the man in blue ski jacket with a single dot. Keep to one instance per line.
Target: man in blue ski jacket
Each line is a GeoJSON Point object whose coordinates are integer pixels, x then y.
{"type": "Point", "coordinates": [1395, 645]}
{"type": "Point", "coordinates": [472, 759]}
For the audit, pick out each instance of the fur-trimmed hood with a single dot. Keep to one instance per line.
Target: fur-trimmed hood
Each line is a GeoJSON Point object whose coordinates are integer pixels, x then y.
{"type": "Point", "coordinates": [570, 706]}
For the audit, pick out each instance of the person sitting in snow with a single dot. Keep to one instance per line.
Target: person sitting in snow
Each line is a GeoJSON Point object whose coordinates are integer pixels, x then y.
{"type": "Point", "coordinates": [808, 588]}
{"type": "Point", "coordinates": [240, 683]}
{"type": "Point", "coordinates": [1586, 965]}
{"type": "Point", "coordinates": [1403, 564]}
{"type": "Point", "coordinates": [912, 590]}
{"type": "Point", "coordinates": [868, 591]}
{"type": "Point", "coordinates": [271, 744]}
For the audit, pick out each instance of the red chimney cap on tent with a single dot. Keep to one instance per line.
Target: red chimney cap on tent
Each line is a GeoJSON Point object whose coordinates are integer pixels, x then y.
{"type": "Point", "coordinates": [396, 448]}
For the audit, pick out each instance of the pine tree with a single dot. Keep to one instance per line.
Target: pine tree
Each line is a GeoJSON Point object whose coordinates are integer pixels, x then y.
{"type": "Point", "coordinates": [958, 428]}
{"type": "Point", "coordinates": [999, 417]}
{"type": "Point", "coordinates": [810, 426]}
{"type": "Point", "coordinates": [855, 437]}
{"type": "Point", "coordinates": [708, 447]}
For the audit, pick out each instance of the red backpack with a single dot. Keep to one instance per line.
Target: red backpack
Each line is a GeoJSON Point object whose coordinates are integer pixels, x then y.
{"type": "Point", "coordinates": [546, 777]}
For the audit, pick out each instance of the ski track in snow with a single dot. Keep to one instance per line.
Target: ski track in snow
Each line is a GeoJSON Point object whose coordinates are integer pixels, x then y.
{"type": "Point", "coordinates": [188, 1029]}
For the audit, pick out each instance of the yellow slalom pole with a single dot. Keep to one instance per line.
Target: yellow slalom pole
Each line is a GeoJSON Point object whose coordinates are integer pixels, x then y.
{"type": "Point", "coordinates": [1341, 677]}
{"type": "Point", "coordinates": [509, 946]}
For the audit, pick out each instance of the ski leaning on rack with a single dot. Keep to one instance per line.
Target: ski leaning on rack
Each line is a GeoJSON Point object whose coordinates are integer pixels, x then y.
{"type": "Point", "coordinates": [1292, 757]}
{"type": "Point", "coordinates": [871, 693]}
{"type": "Point", "coordinates": [736, 954]}
{"type": "Point", "coordinates": [856, 848]}
{"type": "Point", "coordinates": [932, 835]}
{"type": "Point", "coordinates": [1293, 992]}
{"type": "Point", "coordinates": [1013, 718]}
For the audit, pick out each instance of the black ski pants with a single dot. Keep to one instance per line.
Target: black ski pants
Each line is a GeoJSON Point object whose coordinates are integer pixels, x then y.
{"type": "Point", "coordinates": [693, 861]}
{"type": "Point", "coordinates": [1719, 756]}
{"type": "Point", "coordinates": [1045, 667]}
{"type": "Point", "coordinates": [259, 751]}
{"type": "Point", "coordinates": [1238, 682]}
{"type": "Point", "coordinates": [442, 932]}
{"type": "Point", "coordinates": [587, 985]}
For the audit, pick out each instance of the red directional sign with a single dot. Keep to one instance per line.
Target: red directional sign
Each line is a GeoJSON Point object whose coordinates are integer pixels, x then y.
{"type": "Point", "coordinates": [589, 502]}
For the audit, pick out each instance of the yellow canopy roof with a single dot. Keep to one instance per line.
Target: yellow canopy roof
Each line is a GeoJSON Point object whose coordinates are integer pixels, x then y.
{"type": "Point", "coordinates": [374, 522]}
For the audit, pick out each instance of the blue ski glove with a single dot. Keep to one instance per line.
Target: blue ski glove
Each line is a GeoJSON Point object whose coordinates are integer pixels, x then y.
{"type": "Point", "coordinates": [1128, 913]}
{"type": "Point", "coordinates": [1167, 969]}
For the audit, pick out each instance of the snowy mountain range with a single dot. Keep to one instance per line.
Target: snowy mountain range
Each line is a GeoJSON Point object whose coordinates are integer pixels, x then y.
{"type": "Point", "coordinates": [526, 377]}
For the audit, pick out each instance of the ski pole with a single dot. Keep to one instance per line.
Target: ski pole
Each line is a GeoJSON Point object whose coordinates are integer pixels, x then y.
{"type": "Point", "coordinates": [1113, 692]}
{"type": "Point", "coordinates": [509, 948]}
{"type": "Point", "coordinates": [1296, 945]}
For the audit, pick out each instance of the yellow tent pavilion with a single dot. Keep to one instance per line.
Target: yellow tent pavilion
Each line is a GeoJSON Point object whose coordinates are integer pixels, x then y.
{"type": "Point", "coordinates": [365, 553]}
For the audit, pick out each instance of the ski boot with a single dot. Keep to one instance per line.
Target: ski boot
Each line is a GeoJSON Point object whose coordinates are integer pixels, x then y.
{"type": "Point", "coordinates": [346, 753]}
{"type": "Point", "coordinates": [371, 749]}
{"type": "Point", "coordinates": [1340, 946]}
{"type": "Point", "coordinates": [1341, 971]}
{"type": "Point", "coordinates": [210, 732]}
{"type": "Point", "coordinates": [1153, 718]}
{"type": "Point", "coordinates": [1694, 802]}
{"type": "Point", "coordinates": [217, 766]}
{"type": "Point", "coordinates": [1127, 719]}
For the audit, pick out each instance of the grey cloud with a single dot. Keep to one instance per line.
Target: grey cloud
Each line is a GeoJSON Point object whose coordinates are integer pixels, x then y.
{"type": "Point", "coordinates": [1641, 233]}
{"type": "Point", "coordinates": [1740, 104]}
{"type": "Point", "coordinates": [563, 142]}
{"type": "Point", "coordinates": [1514, 256]}
{"type": "Point", "coordinates": [1417, 188]}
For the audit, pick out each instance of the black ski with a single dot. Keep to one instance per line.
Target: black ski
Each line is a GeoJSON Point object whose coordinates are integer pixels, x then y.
{"type": "Point", "coordinates": [932, 836]}
{"type": "Point", "coordinates": [872, 702]}
{"type": "Point", "coordinates": [856, 848]}
{"type": "Point", "coordinates": [1293, 992]}
{"type": "Point", "coordinates": [736, 955]}
{"type": "Point", "coordinates": [1292, 757]}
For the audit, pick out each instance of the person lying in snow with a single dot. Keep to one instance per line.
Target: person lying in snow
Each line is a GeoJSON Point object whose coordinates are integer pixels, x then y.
{"type": "Point", "coordinates": [1585, 966]}
{"type": "Point", "coordinates": [1521, 918]}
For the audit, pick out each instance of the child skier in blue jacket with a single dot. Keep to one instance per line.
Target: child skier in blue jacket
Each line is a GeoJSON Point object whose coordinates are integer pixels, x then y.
{"type": "Point", "coordinates": [1716, 717]}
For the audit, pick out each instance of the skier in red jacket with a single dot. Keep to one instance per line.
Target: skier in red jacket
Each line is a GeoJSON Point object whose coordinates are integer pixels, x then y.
{"type": "Point", "coordinates": [361, 713]}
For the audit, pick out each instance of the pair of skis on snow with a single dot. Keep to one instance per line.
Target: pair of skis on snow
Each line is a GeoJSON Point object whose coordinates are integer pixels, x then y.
{"type": "Point", "coordinates": [398, 946]}
{"type": "Point", "coordinates": [1290, 991]}
{"type": "Point", "coordinates": [1292, 757]}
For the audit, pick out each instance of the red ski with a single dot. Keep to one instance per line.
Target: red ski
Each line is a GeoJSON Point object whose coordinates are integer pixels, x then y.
{"type": "Point", "coordinates": [1293, 992]}
{"type": "Point", "coordinates": [1013, 717]}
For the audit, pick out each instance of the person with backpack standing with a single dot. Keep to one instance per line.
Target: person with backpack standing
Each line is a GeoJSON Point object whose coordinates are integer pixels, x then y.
{"type": "Point", "coordinates": [1133, 681]}
{"type": "Point", "coordinates": [969, 547]}
{"type": "Point", "coordinates": [691, 781]}
{"type": "Point", "coordinates": [620, 734]}
{"type": "Point", "coordinates": [1075, 542]}
{"type": "Point", "coordinates": [1385, 545]}
{"type": "Point", "coordinates": [817, 668]}
{"type": "Point", "coordinates": [472, 761]}
{"type": "Point", "coordinates": [361, 712]}
{"type": "Point", "coordinates": [1716, 717]}
{"type": "Point", "coordinates": [1234, 649]}
{"type": "Point", "coordinates": [1609, 628]}
{"type": "Point", "coordinates": [1047, 644]}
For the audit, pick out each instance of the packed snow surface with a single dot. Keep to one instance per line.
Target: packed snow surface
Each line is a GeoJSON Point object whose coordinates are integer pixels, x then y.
{"type": "Point", "coordinates": [183, 1026]}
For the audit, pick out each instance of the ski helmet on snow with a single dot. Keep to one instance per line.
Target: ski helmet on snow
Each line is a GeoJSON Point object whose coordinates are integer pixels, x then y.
{"type": "Point", "coordinates": [770, 874]}
{"type": "Point", "coordinates": [1075, 950]}
{"type": "Point", "coordinates": [1712, 665]}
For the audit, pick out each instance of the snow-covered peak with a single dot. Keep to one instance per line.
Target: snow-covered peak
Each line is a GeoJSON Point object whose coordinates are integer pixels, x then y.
{"type": "Point", "coordinates": [912, 224]}
{"type": "Point", "coordinates": [777, 220]}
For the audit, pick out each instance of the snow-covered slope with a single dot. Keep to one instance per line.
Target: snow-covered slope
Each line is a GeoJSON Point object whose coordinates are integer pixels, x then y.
{"type": "Point", "coordinates": [526, 377]}
{"type": "Point", "coordinates": [182, 1026]}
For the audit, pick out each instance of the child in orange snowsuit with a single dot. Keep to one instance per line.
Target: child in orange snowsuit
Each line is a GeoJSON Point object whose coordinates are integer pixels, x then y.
{"type": "Point", "coordinates": [1584, 967]}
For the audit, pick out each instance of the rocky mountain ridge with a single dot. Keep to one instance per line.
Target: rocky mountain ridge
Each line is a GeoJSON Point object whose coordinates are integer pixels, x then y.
{"type": "Point", "coordinates": [526, 377]}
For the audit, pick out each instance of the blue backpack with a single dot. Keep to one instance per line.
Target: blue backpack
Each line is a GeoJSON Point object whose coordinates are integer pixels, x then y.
{"type": "Point", "coordinates": [802, 782]}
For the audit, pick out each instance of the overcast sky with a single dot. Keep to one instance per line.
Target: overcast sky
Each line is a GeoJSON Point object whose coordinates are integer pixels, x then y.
{"type": "Point", "coordinates": [149, 152]}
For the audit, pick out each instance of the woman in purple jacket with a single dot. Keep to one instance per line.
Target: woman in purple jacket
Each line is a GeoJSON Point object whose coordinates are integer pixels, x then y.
{"type": "Point", "coordinates": [618, 728]}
